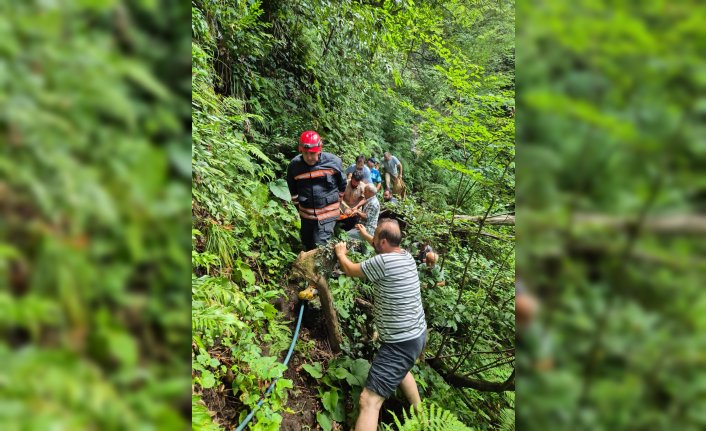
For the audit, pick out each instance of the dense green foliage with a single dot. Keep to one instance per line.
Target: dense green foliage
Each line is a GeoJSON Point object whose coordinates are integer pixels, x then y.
{"type": "Point", "coordinates": [434, 84]}
{"type": "Point", "coordinates": [94, 174]}
{"type": "Point", "coordinates": [612, 166]}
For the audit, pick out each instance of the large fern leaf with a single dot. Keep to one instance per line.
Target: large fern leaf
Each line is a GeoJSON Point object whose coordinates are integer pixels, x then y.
{"type": "Point", "coordinates": [427, 417]}
{"type": "Point", "coordinates": [507, 420]}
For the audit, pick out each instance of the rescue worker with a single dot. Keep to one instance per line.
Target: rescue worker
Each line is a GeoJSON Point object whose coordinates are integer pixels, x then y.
{"type": "Point", "coordinates": [316, 183]}
{"type": "Point", "coordinates": [398, 315]}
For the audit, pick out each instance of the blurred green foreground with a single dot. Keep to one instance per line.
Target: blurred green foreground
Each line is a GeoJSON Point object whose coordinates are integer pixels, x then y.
{"type": "Point", "coordinates": [611, 193]}
{"type": "Point", "coordinates": [94, 215]}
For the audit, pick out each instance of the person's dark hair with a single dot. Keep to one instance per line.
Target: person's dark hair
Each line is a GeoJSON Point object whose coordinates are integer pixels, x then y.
{"type": "Point", "coordinates": [390, 230]}
{"type": "Point", "coordinates": [360, 158]}
{"type": "Point", "coordinates": [357, 175]}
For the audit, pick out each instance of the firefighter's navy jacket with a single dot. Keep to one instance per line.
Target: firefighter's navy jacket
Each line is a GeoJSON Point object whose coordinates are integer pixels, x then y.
{"type": "Point", "coordinates": [316, 190]}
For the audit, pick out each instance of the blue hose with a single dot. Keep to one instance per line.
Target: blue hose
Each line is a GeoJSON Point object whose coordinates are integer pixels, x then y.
{"type": "Point", "coordinates": [249, 417]}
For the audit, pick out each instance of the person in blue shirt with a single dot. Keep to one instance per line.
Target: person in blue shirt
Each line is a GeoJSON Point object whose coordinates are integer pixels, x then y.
{"type": "Point", "coordinates": [359, 166]}
{"type": "Point", "coordinates": [374, 173]}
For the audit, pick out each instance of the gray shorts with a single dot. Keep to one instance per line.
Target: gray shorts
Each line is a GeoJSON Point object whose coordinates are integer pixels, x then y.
{"type": "Point", "coordinates": [392, 363]}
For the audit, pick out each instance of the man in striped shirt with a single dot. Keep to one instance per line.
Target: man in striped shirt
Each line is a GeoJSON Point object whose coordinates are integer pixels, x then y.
{"type": "Point", "coordinates": [398, 315]}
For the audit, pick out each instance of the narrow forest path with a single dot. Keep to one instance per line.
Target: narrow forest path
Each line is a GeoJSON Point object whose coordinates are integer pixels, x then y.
{"type": "Point", "coordinates": [303, 400]}
{"type": "Point", "coordinates": [312, 346]}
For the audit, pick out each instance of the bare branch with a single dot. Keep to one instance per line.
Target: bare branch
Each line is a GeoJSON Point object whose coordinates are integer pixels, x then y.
{"type": "Point", "coordinates": [465, 382]}
{"type": "Point", "coordinates": [505, 219]}
{"type": "Point", "coordinates": [667, 224]}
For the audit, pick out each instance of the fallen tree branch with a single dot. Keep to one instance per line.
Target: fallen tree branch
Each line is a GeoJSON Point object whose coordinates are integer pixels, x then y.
{"type": "Point", "coordinates": [365, 305]}
{"type": "Point", "coordinates": [460, 232]}
{"type": "Point", "coordinates": [465, 382]}
{"type": "Point", "coordinates": [667, 224]}
{"type": "Point", "coordinates": [487, 352]}
{"type": "Point", "coordinates": [491, 365]}
{"type": "Point", "coordinates": [505, 219]}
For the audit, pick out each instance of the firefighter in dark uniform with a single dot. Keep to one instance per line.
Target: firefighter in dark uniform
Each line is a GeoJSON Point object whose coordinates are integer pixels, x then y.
{"type": "Point", "coordinates": [316, 183]}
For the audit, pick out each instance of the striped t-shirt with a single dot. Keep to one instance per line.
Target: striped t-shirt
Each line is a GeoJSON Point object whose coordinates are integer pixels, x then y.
{"type": "Point", "coordinates": [397, 311]}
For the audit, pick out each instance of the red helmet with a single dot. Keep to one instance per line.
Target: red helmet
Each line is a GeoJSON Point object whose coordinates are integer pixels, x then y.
{"type": "Point", "coordinates": [310, 142]}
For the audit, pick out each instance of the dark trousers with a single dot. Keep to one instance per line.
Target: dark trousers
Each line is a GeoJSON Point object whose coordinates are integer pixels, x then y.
{"type": "Point", "coordinates": [315, 232]}
{"type": "Point", "coordinates": [349, 223]}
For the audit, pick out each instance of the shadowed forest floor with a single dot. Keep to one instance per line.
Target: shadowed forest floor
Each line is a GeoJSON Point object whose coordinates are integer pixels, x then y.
{"type": "Point", "coordinates": [302, 402]}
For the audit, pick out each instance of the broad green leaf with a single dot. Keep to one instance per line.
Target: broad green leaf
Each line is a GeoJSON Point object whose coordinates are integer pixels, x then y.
{"type": "Point", "coordinates": [324, 420]}
{"type": "Point", "coordinates": [203, 358]}
{"type": "Point", "coordinates": [341, 373]}
{"type": "Point", "coordinates": [279, 188]}
{"type": "Point", "coordinates": [359, 372]}
{"type": "Point", "coordinates": [339, 413]}
{"type": "Point", "coordinates": [207, 380]}
{"type": "Point", "coordinates": [314, 370]}
{"type": "Point", "coordinates": [283, 384]}
{"type": "Point", "coordinates": [329, 400]}
{"type": "Point", "coordinates": [245, 273]}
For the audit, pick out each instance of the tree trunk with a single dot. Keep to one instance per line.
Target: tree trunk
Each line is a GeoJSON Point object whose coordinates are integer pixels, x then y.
{"type": "Point", "coordinates": [305, 267]}
{"type": "Point", "coordinates": [333, 330]}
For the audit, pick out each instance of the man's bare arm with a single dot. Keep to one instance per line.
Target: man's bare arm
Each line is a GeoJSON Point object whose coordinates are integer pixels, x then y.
{"type": "Point", "coordinates": [364, 233]}
{"type": "Point", "coordinates": [360, 203]}
{"type": "Point", "coordinates": [349, 268]}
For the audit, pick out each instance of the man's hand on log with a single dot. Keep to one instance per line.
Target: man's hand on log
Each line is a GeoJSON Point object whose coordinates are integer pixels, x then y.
{"type": "Point", "coordinates": [349, 268]}
{"type": "Point", "coordinates": [341, 249]}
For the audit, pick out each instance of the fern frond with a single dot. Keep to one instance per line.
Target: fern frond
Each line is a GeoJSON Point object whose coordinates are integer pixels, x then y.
{"type": "Point", "coordinates": [507, 420]}
{"type": "Point", "coordinates": [427, 417]}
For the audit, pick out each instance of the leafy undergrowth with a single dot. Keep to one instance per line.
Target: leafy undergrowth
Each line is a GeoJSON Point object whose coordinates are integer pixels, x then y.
{"type": "Point", "coordinates": [427, 417]}
{"type": "Point", "coordinates": [319, 390]}
{"type": "Point", "coordinates": [438, 94]}
{"type": "Point", "coordinates": [94, 188]}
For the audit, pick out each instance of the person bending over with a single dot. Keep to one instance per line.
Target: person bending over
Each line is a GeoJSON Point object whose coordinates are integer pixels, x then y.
{"type": "Point", "coordinates": [399, 318]}
{"type": "Point", "coordinates": [369, 213]}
